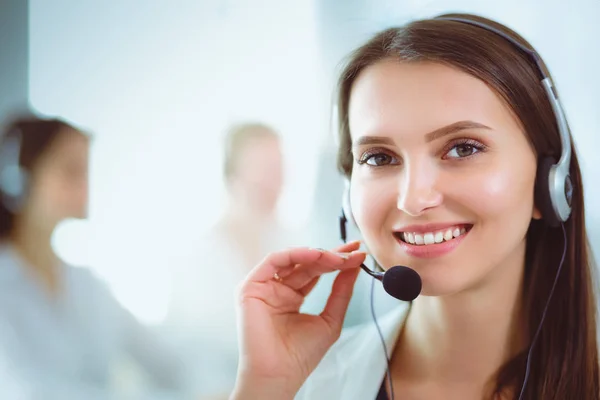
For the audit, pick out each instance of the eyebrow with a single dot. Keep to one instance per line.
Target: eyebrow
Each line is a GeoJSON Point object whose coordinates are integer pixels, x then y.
{"type": "Point", "coordinates": [429, 137]}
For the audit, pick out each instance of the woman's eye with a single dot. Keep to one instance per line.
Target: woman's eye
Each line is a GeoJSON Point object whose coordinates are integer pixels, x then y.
{"type": "Point", "coordinates": [462, 151]}
{"type": "Point", "coordinates": [377, 160]}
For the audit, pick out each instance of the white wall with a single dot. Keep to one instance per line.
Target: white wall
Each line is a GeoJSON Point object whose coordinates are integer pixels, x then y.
{"type": "Point", "coordinates": [14, 63]}
{"type": "Point", "coordinates": [158, 83]}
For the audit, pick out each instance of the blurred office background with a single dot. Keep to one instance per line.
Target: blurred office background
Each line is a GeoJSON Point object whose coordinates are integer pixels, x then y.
{"type": "Point", "coordinates": [158, 83]}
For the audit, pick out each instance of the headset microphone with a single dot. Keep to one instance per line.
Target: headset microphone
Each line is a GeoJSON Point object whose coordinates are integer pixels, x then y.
{"type": "Point", "coordinates": [400, 282]}
{"type": "Point", "coordinates": [403, 283]}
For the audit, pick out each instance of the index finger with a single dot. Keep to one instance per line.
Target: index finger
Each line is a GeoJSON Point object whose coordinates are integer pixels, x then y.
{"type": "Point", "coordinates": [275, 262]}
{"type": "Point", "coordinates": [348, 247]}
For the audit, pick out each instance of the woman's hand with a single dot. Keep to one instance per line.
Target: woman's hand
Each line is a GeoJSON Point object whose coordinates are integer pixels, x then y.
{"type": "Point", "coordinates": [279, 346]}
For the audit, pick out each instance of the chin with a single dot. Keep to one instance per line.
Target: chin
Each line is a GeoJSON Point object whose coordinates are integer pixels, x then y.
{"type": "Point", "coordinates": [441, 281]}
{"type": "Point", "coordinates": [438, 290]}
{"type": "Point", "coordinates": [429, 291]}
{"type": "Point", "coordinates": [79, 215]}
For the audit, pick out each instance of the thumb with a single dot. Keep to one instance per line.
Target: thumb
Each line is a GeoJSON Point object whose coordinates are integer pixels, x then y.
{"type": "Point", "coordinates": [339, 299]}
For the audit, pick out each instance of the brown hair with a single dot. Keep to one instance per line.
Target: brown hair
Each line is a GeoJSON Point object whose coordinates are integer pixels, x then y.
{"type": "Point", "coordinates": [238, 136]}
{"type": "Point", "coordinates": [36, 136]}
{"type": "Point", "coordinates": [564, 362]}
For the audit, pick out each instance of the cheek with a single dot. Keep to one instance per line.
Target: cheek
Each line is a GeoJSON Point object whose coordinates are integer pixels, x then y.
{"type": "Point", "coordinates": [373, 202]}
{"type": "Point", "coordinates": [45, 198]}
{"type": "Point", "coordinates": [499, 201]}
{"type": "Point", "coordinates": [59, 197]}
{"type": "Point", "coordinates": [272, 176]}
{"type": "Point", "coordinates": [504, 192]}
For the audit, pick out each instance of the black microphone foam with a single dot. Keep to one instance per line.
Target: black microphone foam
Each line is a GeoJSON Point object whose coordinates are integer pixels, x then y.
{"type": "Point", "coordinates": [403, 283]}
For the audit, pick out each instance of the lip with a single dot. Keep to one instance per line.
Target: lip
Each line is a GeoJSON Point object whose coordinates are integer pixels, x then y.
{"type": "Point", "coordinates": [431, 250]}
{"type": "Point", "coordinates": [430, 227]}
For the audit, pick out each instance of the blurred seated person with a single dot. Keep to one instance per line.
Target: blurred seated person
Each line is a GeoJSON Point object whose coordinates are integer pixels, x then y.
{"type": "Point", "coordinates": [202, 304]}
{"type": "Point", "coordinates": [61, 328]}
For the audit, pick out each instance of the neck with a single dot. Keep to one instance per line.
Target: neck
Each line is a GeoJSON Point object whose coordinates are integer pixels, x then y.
{"type": "Point", "coordinates": [246, 228]}
{"type": "Point", "coordinates": [244, 214]}
{"type": "Point", "coordinates": [466, 337]}
{"type": "Point", "coordinates": [34, 244]}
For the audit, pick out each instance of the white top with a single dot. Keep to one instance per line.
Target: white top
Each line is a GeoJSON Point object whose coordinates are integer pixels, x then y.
{"type": "Point", "coordinates": [65, 348]}
{"type": "Point", "coordinates": [355, 366]}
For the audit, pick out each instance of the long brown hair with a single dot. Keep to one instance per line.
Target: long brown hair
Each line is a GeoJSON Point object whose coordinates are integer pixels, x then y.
{"type": "Point", "coordinates": [36, 136]}
{"type": "Point", "coordinates": [564, 363]}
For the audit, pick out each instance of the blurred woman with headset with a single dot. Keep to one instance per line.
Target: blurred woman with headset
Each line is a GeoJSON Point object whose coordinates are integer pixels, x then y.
{"type": "Point", "coordinates": [460, 166]}
{"type": "Point", "coordinates": [61, 327]}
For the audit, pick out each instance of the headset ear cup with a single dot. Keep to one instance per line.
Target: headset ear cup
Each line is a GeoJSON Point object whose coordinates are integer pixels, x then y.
{"type": "Point", "coordinates": [543, 194]}
{"type": "Point", "coordinates": [13, 178]}
{"type": "Point", "coordinates": [13, 188]}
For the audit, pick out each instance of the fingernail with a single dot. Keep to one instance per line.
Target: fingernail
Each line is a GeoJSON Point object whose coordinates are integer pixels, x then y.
{"type": "Point", "coordinates": [345, 256]}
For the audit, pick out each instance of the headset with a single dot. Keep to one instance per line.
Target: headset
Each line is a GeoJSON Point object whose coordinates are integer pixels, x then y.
{"type": "Point", "coordinates": [553, 186]}
{"type": "Point", "coordinates": [13, 178]}
{"type": "Point", "coordinates": [554, 189]}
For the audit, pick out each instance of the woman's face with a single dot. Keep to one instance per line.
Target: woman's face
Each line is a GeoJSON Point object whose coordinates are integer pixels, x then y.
{"type": "Point", "coordinates": [59, 181]}
{"type": "Point", "coordinates": [258, 176]}
{"type": "Point", "coordinates": [443, 175]}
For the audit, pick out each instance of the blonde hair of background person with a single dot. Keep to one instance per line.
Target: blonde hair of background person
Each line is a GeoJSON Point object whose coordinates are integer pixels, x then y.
{"type": "Point", "coordinates": [446, 123]}
{"type": "Point", "coordinates": [67, 329]}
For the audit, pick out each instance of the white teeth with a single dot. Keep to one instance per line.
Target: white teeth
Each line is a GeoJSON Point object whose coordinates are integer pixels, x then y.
{"type": "Point", "coordinates": [432, 237]}
{"type": "Point", "coordinates": [428, 238]}
{"type": "Point", "coordinates": [418, 239]}
{"type": "Point", "coordinates": [448, 234]}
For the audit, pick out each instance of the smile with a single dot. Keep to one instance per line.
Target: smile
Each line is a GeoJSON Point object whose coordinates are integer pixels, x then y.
{"type": "Point", "coordinates": [432, 242]}
{"type": "Point", "coordinates": [428, 238]}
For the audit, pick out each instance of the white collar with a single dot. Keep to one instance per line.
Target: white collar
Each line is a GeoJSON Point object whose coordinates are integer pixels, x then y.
{"type": "Point", "coordinates": [355, 366]}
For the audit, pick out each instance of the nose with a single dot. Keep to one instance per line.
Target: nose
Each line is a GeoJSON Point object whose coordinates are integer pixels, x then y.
{"type": "Point", "coordinates": [418, 190]}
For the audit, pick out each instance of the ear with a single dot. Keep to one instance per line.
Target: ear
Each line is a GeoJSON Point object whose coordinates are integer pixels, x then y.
{"type": "Point", "coordinates": [536, 213]}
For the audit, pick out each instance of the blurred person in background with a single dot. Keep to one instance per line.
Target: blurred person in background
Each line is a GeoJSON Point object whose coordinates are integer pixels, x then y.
{"type": "Point", "coordinates": [203, 294]}
{"type": "Point", "coordinates": [62, 328]}
{"type": "Point", "coordinates": [254, 177]}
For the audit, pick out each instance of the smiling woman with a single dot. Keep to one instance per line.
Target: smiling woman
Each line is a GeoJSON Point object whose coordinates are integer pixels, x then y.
{"type": "Point", "coordinates": [460, 165]}
{"type": "Point", "coordinates": [433, 176]}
